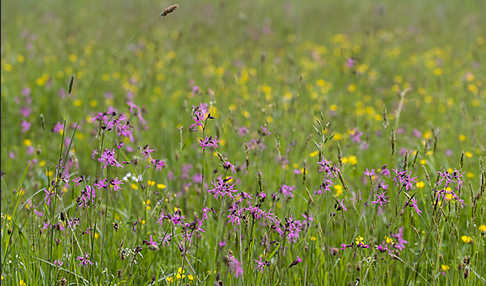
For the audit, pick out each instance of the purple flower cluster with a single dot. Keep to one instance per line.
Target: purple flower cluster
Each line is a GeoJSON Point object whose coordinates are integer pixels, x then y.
{"type": "Point", "coordinates": [404, 179]}
{"type": "Point", "coordinates": [393, 246]}
{"type": "Point", "coordinates": [84, 260]}
{"type": "Point", "coordinates": [108, 159]}
{"type": "Point", "coordinates": [111, 120]}
{"type": "Point", "coordinates": [287, 191]}
{"type": "Point", "coordinates": [223, 188]}
{"type": "Point", "coordinates": [199, 114]}
{"type": "Point", "coordinates": [330, 172]}
{"type": "Point", "coordinates": [448, 185]}
{"type": "Point", "coordinates": [209, 142]}
{"type": "Point", "coordinates": [87, 197]}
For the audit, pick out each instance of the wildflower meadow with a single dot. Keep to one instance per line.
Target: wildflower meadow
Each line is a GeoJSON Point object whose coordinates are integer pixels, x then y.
{"type": "Point", "coordinates": [243, 142]}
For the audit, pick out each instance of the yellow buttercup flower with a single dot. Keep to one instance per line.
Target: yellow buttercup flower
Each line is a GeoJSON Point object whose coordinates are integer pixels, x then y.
{"type": "Point", "coordinates": [7, 67]}
{"type": "Point", "coordinates": [161, 186]}
{"type": "Point", "coordinates": [353, 160]}
{"type": "Point", "coordinates": [466, 239]}
{"type": "Point", "coordinates": [339, 190]}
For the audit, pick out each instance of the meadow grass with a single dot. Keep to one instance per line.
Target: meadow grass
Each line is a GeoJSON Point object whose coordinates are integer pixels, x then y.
{"type": "Point", "coordinates": [243, 143]}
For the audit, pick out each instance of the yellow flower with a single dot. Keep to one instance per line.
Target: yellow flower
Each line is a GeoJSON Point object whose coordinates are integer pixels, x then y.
{"type": "Point", "coordinates": [338, 136]}
{"type": "Point", "coordinates": [7, 67]}
{"type": "Point", "coordinates": [170, 279]}
{"type": "Point", "coordinates": [420, 184]}
{"type": "Point", "coordinates": [333, 107]}
{"type": "Point", "coordinates": [22, 283]}
{"type": "Point", "coordinates": [444, 267]}
{"type": "Point", "coordinates": [190, 277]}
{"type": "Point", "coordinates": [468, 154]}
{"type": "Point", "coordinates": [462, 137]}
{"type": "Point", "coordinates": [353, 160]}
{"type": "Point", "coordinates": [313, 154]}
{"type": "Point", "coordinates": [313, 238]}
{"type": "Point", "coordinates": [93, 103]}
{"type": "Point", "coordinates": [362, 68]}
{"type": "Point", "coordinates": [134, 186]}
{"type": "Point", "coordinates": [466, 239]}
{"type": "Point", "coordinates": [161, 186]}
{"type": "Point", "coordinates": [448, 196]}
{"type": "Point", "coordinates": [150, 183]}
{"type": "Point", "coordinates": [27, 142]}
{"type": "Point", "coordinates": [423, 162]}
{"type": "Point", "coordinates": [472, 88]}
{"type": "Point", "coordinates": [180, 273]}
{"type": "Point", "coordinates": [388, 239]}
{"type": "Point", "coordinates": [351, 88]}
{"type": "Point", "coordinates": [72, 58]}
{"type": "Point", "coordinates": [79, 136]}
{"type": "Point", "coordinates": [213, 110]}
{"type": "Point", "coordinates": [339, 190]}
{"type": "Point", "coordinates": [344, 160]}
{"type": "Point", "coordinates": [482, 228]}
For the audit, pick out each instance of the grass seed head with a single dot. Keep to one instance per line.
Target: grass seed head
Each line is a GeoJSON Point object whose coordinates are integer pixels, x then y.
{"type": "Point", "coordinates": [169, 10]}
